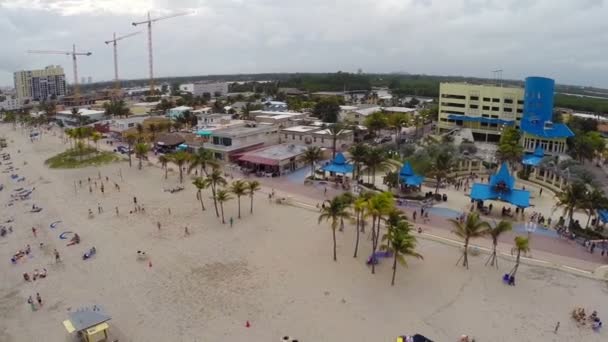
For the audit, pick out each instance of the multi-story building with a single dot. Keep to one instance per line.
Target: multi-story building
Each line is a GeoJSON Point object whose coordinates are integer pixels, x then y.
{"type": "Point", "coordinates": [316, 136]}
{"type": "Point", "coordinates": [230, 143]}
{"type": "Point", "coordinates": [485, 109]}
{"type": "Point", "coordinates": [40, 84]}
{"type": "Point", "coordinates": [214, 89]}
{"type": "Point", "coordinates": [9, 103]}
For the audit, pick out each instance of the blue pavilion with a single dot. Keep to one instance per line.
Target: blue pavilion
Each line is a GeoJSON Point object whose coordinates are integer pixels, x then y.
{"type": "Point", "coordinates": [502, 188]}
{"type": "Point", "coordinates": [408, 177]}
{"type": "Point", "coordinates": [339, 165]}
{"type": "Point", "coordinates": [534, 159]}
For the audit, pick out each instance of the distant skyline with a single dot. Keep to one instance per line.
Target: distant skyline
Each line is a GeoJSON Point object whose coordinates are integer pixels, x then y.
{"type": "Point", "coordinates": [562, 39]}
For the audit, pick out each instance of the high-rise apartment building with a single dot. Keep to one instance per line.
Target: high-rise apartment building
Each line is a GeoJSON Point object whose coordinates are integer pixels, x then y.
{"type": "Point", "coordinates": [40, 84]}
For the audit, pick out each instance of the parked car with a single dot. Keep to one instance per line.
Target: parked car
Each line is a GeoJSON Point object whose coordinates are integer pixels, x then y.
{"type": "Point", "coordinates": [123, 150]}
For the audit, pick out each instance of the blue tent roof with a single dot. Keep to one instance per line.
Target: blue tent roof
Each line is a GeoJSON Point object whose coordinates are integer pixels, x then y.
{"type": "Point", "coordinates": [535, 158]}
{"type": "Point", "coordinates": [338, 165]}
{"type": "Point", "coordinates": [557, 130]}
{"type": "Point", "coordinates": [408, 177]}
{"type": "Point", "coordinates": [603, 214]}
{"type": "Point", "coordinates": [203, 132]}
{"type": "Point", "coordinates": [501, 188]}
{"type": "Point", "coordinates": [465, 118]}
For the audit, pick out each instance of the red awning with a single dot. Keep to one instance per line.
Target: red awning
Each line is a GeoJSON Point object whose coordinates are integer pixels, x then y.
{"type": "Point", "coordinates": [259, 160]}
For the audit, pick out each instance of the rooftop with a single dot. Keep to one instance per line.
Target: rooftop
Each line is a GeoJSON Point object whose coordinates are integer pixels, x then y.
{"type": "Point", "coordinates": [83, 112]}
{"type": "Point", "coordinates": [399, 109]}
{"type": "Point", "coordinates": [276, 152]}
{"type": "Point", "coordinates": [242, 130]}
{"type": "Point", "coordinates": [327, 132]}
{"type": "Point", "coordinates": [181, 108]}
{"type": "Point", "coordinates": [300, 129]}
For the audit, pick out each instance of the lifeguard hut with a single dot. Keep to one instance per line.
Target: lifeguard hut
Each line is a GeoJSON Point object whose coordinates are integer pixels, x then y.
{"type": "Point", "coordinates": [90, 325]}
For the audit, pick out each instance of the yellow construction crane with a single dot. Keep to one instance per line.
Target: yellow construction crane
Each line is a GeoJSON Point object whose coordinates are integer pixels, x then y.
{"type": "Point", "coordinates": [72, 53]}
{"type": "Point", "coordinates": [114, 41]}
{"type": "Point", "coordinates": [149, 22]}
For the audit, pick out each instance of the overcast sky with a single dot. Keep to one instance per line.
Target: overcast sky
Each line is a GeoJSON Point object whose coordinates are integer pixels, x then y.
{"type": "Point", "coordinates": [563, 39]}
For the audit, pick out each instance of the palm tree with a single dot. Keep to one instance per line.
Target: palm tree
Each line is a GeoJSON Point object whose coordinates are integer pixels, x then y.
{"type": "Point", "coordinates": [495, 232]}
{"type": "Point", "coordinates": [141, 151]}
{"type": "Point", "coordinates": [130, 139]}
{"type": "Point", "coordinates": [441, 166]}
{"type": "Point", "coordinates": [570, 199]}
{"type": "Point", "coordinates": [358, 154]}
{"type": "Point", "coordinates": [522, 244]}
{"type": "Point", "coordinates": [312, 155]}
{"type": "Point", "coordinates": [239, 188]}
{"type": "Point", "coordinates": [471, 228]}
{"type": "Point", "coordinates": [252, 187]}
{"type": "Point", "coordinates": [222, 196]}
{"type": "Point", "coordinates": [200, 184]}
{"type": "Point", "coordinates": [376, 160]}
{"type": "Point", "coordinates": [180, 158]}
{"type": "Point", "coordinates": [378, 205]}
{"type": "Point", "coordinates": [359, 209]}
{"type": "Point", "coordinates": [333, 211]}
{"type": "Point", "coordinates": [96, 136]}
{"type": "Point", "coordinates": [593, 201]}
{"type": "Point", "coordinates": [152, 128]}
{"type": "Point", "coordinates": [163, 163]}
{"type": "Point", "coordinates": [214, 179]}
{"type": "Point", "coordinates": [401, 243]}
{"type": "Point", "coordinates": [203, 158]}
{"type": "Point", "coordinates": [335, 131]}
{"type": "Point", "coordinates": [140, 132]}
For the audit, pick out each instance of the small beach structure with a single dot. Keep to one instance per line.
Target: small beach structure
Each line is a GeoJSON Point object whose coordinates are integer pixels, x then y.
{"type": "Point", "coordinates": [502, 188]}
{"type": "Point", "coordinates": [534, 159]}
{"type": "Point", "coordinates": [90, 324]}
{"type": "Point", "coordinates": [339, 165]}
{"type": "Point", "coordinates": [407, 176]}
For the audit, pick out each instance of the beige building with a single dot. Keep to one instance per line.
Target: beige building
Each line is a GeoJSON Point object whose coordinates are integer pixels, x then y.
{"type": "Point", "coordinates": [485, 109]}
{"type": "Point", "coordinates": [40, 84]}
{"type": "Point", "coordinates": [316, 136]}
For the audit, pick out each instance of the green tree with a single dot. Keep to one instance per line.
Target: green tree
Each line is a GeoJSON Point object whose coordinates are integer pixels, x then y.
{"type": "Point", "coordinates": [495, 232]}
{"type": "Point", "coordinates": [215, 179]}
{"type": "Point", "coordinates": [378, 206]}
{"type": "Point", "coordinates": [200, 184]}
{"type": "Point", "coordinates": [401, 243]}
{"type": "Point", "coordinates": [180, 158]}
{"type": "Point", "coordinates": [333, 211]}
{"type": "Point", "coordinates": [593, 201]}
{"type": "Point", "coordinates": [358, 154]}
{"type": "Point", "coordinates": [252, 188]}
{"type": "Point", "coordinates": [130, 139]}
{"type": "Point", "coordinates": [441, 166]}
{"type": "Point", "coordinates": [522, 244]}
{"type": "Point", "coordinates": [203, 158]}
{"type": "Point", "coordinates": [163, 160]}
{"type": "Point", "coordinates": [312, 155]}
{"type": "Point", "coordinates": [335, 131]}
{"type": "Point", "coordinates": [222, 196]}
{"type": "Point", "coordinates": [376, 122]}
{"type": "Point", "coordinates": [509, 147]}
{"type": "Point", "coordinates": [116, 108]}
{"type": "Point", "coordinates": [376, 160]}
{"type": "Point", "coordinates": [141, 152]}
{"type": "Point", "coordinates": [239, 188]}
{"type": "Point", "coordinates": [360, 211]}
{"type": "Point", "coordinates": [472, 227]}
{"type": "Point", "coordinates": [327, 109]}
{"type": "Point", "coordinates": [571, 199]}
{"type": "Point", "coordinates": [96, 136]}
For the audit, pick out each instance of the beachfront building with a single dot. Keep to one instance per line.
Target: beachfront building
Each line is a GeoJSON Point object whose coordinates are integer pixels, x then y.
{"type": "Point", "coordinates": [84, 115]}
{"type": "Point", "coordinates": [40, 84]}
{"type": "Point", "coordinates": [176, 112]}
{"type": "Point", "coordinates": [210, 120]}
{"type": "Point", "coordinates": [9, 103]}
{"type": "Point", "coordinates": [214, 89]}
{"type": "Point", "coordinates": [485, 109]}
{"type": "Point", "coordinates": [230, 143]}
{"type": "Point", "coordinates": [400, 110]}
{"type": "Point", "coordinates": [357, 114]}
{"type": "Point", "coordinates": [280, 119]}
{"type": "Point", "coordinates": [316, 136]}
{"type": "Point", "coordinates": [501, 187]}
{"type": "Point", "coordinates": [274, 160]}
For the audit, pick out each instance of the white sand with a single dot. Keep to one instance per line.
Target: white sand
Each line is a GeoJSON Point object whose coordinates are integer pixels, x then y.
{"type": "Point", "coordinates": [272, 268]}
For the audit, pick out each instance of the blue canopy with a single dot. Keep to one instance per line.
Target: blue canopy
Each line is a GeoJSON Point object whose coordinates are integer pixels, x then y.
{"type": "Point", "coordinates": [501, 188]}
{"type": "Point", "coordinates": [465, 118]}
{"type": "Point", "coordinates": [408, 177]}
{"type": "Point", "coordinates": [603, 214]}
{"type": "Point", "coordinates": [203, 132]}
{"type": "Point", "coordinates": [535, 158]}
{"type": "Point", "coordinates": [338, 165]}
{"type": "Point", "coordinates": [182, 146]}
{"type": "Point", "coordinates": [556, 131]}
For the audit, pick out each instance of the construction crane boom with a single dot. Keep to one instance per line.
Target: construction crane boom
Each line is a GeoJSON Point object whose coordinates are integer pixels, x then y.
{"type": "Point", "coordinates": [72, 53]}
{"type": "Point", "coordinates": [149, 22]}
{"type": "Point", "coordinates": [114, 41]}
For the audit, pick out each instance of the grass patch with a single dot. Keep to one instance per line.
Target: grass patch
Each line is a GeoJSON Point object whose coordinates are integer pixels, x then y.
{"type": "Point", "coordinates": [74, 158]}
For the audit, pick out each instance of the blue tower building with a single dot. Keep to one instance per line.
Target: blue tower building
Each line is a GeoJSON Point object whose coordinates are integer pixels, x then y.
{"type": "Point", "coordinates": [537, 127]}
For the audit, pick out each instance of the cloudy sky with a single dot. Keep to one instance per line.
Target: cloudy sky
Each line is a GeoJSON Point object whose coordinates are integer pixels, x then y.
{"type": "Point", "coordinates": [563, 39]}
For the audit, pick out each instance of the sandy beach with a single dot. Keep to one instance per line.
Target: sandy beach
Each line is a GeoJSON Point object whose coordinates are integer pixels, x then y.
{"type": "Point", "coordinates": [273, 268]}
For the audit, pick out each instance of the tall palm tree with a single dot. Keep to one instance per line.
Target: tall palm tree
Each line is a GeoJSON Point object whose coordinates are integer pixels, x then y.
{"type": "Point", "coordinates": [594, 200]}
{"type": "Point", "coordinates": [221, 197]}
{"type": "Point", "coordinates": [252, 187]}
{"type": "Point", "coordinates": [200, 184]}
{"type": "Point", "coordinates": [203, 158]}
{"type": "Point", "coordinates": [360, 211]}
{"type": "Point", "coordinates": [333, 211]}
{"type": "Point", "coordinates": [570, 199]}
{"type": "Point", "coordinates": [378, 205]}
{"type": "Point", "coordinates": [140, 132]}
{"type": "Point", "coordinates": [376, 160]}
{"type": "Point", "coordinates": [335, 131]}
{"type": "Point", "coordinates": [522, 244]}
{"type": "Point", "coordinates": [471, 228]}
{"type": "Point", "coordinates": [164, 160]}
{"type": "Point", "coordinates": [152, 128]}
{"type": "Point", "coordinates": [96, 136]}
{"type": "Point", "coordinates": [347, 200]}
{"type": "Point", "coordinates": [215, 179]}
{"type": "Point", "coordinates": [180, 158]}
{"type": "Point", "coordinates": [495, 232]}
{"type": "Point", "coordinates": [239, 188]}
{"type": "Point", "coordinates": [401, 243]}
{"type": "Point", "coordinates": [130, 140]}
{"type": "Point", "coordinates": [441, 166]}
{"type": "Point", "coordinates": [312, 155]}
{"type": "Point", "coordinates": [141, 151]}
{"type": "Point", "coordinates": [358, 154]}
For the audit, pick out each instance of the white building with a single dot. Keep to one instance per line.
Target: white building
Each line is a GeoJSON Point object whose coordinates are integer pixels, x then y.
{"type": "Point", "coordinates": [316, 136]}
{"type": "Point", "coordinates": [357, 114]}
{"type": "Point", "coordinates": [229, 144]}
{"type": "Point", "coordinates": [121, 125]}
{"type": "Point", "coordinates": [10, 103]}
{"type": "Point", "coordinates": [211, 88]}
{"type": "Point", "coordinates": [176, 112]}
{"type": "Point", "coordinates": [69, 119]}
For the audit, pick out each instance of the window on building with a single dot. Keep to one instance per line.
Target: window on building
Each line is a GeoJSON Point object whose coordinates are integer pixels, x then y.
{"type": "Point", "coordinates": [474, 98]}
{"type": "Point", "coordinates": [474, 106]}
{"type": "Point", "coordinates": [286, 136]}
{"type": "Point", "coordinates": [508, 100]}
{"type": "Point", "coordinates": [314, 139]}
{"type": "Point", "coordinates": [485, 107]}
{"type": "Point", "coordinates": [495, 109]}
{"type": "Point", "coordinates": [485, 115]}
{"type": "Point", "coordinates": [493, 125]}
{"type": "Point", "coordinates": [443, 119]}
{"type": "Point", "coordinates": [520, 102]}
{"type": "Point", "coordinates": [452, 104]}
{"type": "Point", "coordinates": [300, 137]}
{"type": "Point", "coordinates": [322, 140]}
{"type": "Point", "coordinates": [520, 110]}
{"type": "Point", "coordinates": [216, 140]}
{"type": "Point", "coordinates": [495, 100]}
{"type": "Point", "coordinates": [449, 96]}
{"type": "Point", "coordinates": [227, 141]}
{"type": "Point", "coordinates": [508, 110]}
{"type": "Point", "coordinates": [483, 124]}
{"type": "Point", "coordinates": [494, 116]}
{"type": "Point", "coordinates": [293, 136]}
{"type": "Point", "coordinates": [459, 122]}
{"type": "Point", "coordinates": [487, 99]}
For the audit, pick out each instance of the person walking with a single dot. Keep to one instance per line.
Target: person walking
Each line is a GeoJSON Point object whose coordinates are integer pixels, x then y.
{"type": "Point", "coordinates": [158, 224]}
{"type": "Point", "coordinates": [556, 328]}
{"type": "Point", "coordinates": [38, 299]}
{"type": "Point", "coordinates": [34, 231]}
{"type": "Point", "coordinates": [30, 301]}
{"type": "Point", "coordinates": [186, 231]}
{"type": "Point", "coordinates": [231, 221]}
{"type": "Point", "coordinates": [57, 257]}
{"type": "Point", "coordinates": [116, 208]}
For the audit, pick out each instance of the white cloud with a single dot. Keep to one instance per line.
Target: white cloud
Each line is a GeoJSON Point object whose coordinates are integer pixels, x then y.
{"type": "Point", "coordinates": [563, 39]}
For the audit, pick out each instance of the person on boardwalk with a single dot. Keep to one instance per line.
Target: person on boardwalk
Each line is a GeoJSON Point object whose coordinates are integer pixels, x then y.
{"type": "Point", "coordinates": [99, 208]}
{"type": "Point", "coordinates": [186, 231]}
{"type": "Point", "coordinates": [556, 326]}
{"type": "Point", "coordinates": [38, 299]}
{"type": "Point", "coordinates": [134, 200]}
{"type": "Point", "coordinates": [34, 231]}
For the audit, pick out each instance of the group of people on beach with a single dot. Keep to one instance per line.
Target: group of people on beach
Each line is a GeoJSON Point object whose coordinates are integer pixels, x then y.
{"type": "Point", "coordinates": [35, 275]}
{"type": "Point", "coordinates": [579, 315]}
